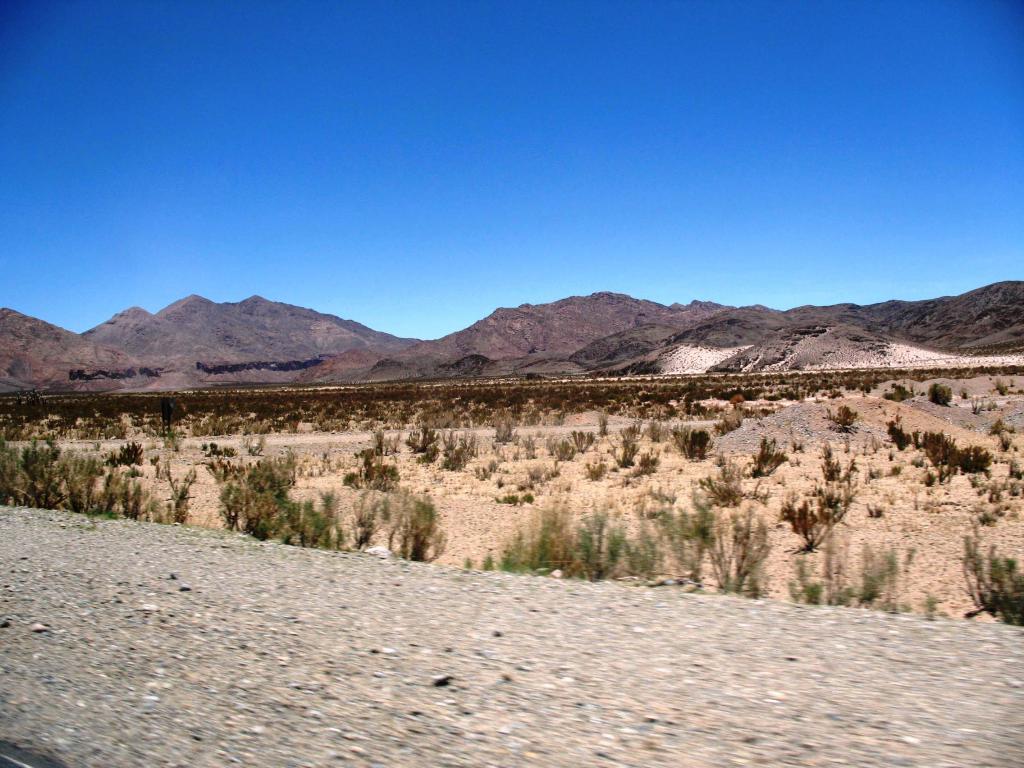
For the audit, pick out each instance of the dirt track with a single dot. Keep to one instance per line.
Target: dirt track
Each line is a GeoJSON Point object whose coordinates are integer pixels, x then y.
{"type": "Point", "coordinates": [266, 655]}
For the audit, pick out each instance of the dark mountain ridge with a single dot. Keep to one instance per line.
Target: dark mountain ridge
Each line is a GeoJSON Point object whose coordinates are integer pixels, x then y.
{"type": "Point", "coordinates": [198, 342]}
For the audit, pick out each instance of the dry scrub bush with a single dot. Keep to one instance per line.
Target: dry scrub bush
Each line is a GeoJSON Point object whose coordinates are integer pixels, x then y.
{"type": "Point", "coordinates": [877, 585]}
{"type": "Point", "coordinates": [725, 490]}
{"type": "Point", "coordinates": [730, 421]}
{"type": "Point", "coordinates": [843, 419]}
{"type": "Point", "coordinates": [486, 471]}
{"type": "Point", "coordinates": [562, 450]}
{"type": "Point", "coordinates": [692, 443]}
{"type": "Point", "coordinates": [647, 464]}
{"type": "Point", "coordinates": [384, 445]}
{"type": "Point", "coordinates": [899, 393]}
{"type": "Point", "coordinates": [946, 457]}
{"type": "Point", "coordinates": [308, 524]}
{"type": "Point", "coordinates": [255, 498]}
{"type": "Point", "coordinates": [177, 506]}
{"type": "Point", "coordinates": [596, 547]}
{"type": "Point", "coordinates": [655, 431]}
{"type": "Point", "coordinates": [130, 454]}
{"type": "Point", "coordinates": [457, 451]}
{"type": "Point", "coordinates": [738, 552]}
{"type": "Point", "coordinates": [504, 431]}
{"type": "Point", "coordinates": [629, 446]}
{"type": "Point", "coordinates": [582, 440]}
{"type": "Point", "coordinates": [373, 473]}
{"type": "Point", "coordinates": [122, 496]}
{"type": "Point", "coordinates": [833, 589]}
{"type": "Point", "coordinates": [814, 519]}
{"type": "Point", "coordinates": [595, 471]}
{"type": "Point", "coordinates": [767, 459]}
{"type": "Point", "coordinates": [44, 477]}
{"type": "Point", "coordinates": [423, 442]}
{"type": "Point", "coordinates": [940, 394]}
{"type": "Point", "coordinates": [414, 528]}
{"type": "Point", "coordinates": [832, 471]}
{"type": "Point", "coordinates": [254, 447]}
{"type": "Point", "coordinates": [366, 519]}
{"type": "Point", "coordinates": [688, 537]}
{"type": "Point", "coordinates": [994, 582]}
{"type": "Point", "coordinates": [899, 438]}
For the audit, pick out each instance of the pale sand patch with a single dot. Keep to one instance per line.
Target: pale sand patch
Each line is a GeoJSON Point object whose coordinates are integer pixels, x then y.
{"type": "Point", "coordinates": [695, 359]}
{"type": "Point", "coordinates": [908, 356]}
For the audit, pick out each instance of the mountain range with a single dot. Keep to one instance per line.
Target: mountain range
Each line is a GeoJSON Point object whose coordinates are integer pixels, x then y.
{"type": "Point", "coordinates": [196, 342]}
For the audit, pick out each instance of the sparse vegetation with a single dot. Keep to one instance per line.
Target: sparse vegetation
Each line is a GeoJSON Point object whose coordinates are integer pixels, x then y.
{"type": "Point", "coordinates": [767, 459]}
{"type": "Point", "coordinates": [843, 418]}
{"type": "Point", "coordinates": [940, 394]}
{"type": "Point", "coordinates": [994, 583]}
{"type": "Point", "coordinates": [738, 551]}
{"type": "Point", "coordinates": [446, 426]}
{"type": "Point", "coordinates": [414, 527]}
{"type": "Point", "coordinates": [692, 443]}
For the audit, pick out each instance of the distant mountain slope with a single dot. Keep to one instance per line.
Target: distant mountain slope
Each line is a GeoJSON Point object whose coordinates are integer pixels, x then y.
{"type": "Point", "coordinates": [35, 353]}
{"type": "Point", "coordinates": [558, 328]}
{"type": "Point", "coordinates": [625, 345]}
{"type": "Point", "coordinates": [256, 329]}
{"type": "Point", "coordinates": [197, 342]}
{"type": "Point", "coordinates": [991, 316]}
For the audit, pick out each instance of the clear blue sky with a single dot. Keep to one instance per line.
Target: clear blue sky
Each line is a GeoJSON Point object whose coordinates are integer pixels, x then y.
{"type": "Point", "coordinates": [415, 165]}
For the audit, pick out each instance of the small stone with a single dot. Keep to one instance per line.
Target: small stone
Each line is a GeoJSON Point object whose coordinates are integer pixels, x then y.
{"type": "Point", "coordinates": [440, 681]}
{"type": "Point", "coordinates": [37, 627]}
{"type": "Point", "coordinates": [5, 623]}
{"type": "Point", "coordinates": [184, 588]}
{"type": "Point", "coordinates": [556, 574]}
{"type": "Point", "coordinates": [382, 552]}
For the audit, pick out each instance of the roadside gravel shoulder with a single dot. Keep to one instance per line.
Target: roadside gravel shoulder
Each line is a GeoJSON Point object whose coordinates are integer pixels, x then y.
{"type": "Point", "coordinates": [128, 644]}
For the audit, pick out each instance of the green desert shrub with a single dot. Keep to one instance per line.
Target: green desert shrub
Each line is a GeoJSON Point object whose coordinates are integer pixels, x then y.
{"type": "Point", "coordinates": [256, 498]}
{"type": "Point", "coordinates": [314, 524]}
{"type": "Point", "coordinates": [738, 552]}
{"type": "Point", "coordinates": [595, 547]}
{"type": "Point", "coordinates": [688, 536]}
{"type": "Point", "coordinates": [414, 526]}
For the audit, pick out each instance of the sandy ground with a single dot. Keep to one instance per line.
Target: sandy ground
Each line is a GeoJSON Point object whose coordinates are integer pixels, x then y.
{"type": "Point", "coordinates": [929, 522]}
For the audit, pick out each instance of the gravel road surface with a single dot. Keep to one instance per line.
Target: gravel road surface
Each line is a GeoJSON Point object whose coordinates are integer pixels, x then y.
{"type": "Point", "coordinates": [126, 644]}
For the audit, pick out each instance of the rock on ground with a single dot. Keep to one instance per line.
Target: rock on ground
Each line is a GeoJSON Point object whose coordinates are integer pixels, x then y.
{"type": "Point", "coordinates": [279, 656]}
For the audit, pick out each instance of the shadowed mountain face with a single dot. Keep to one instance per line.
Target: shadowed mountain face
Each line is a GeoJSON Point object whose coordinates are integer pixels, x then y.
{"type": "Point", "coordinates": [36, 353]}
{"type": "Point", "coordinates": [559, 328]}
{"type": "Point", "coordinates": [197, 342]}
{"type": "Point", "coordinates": [199, 330]}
